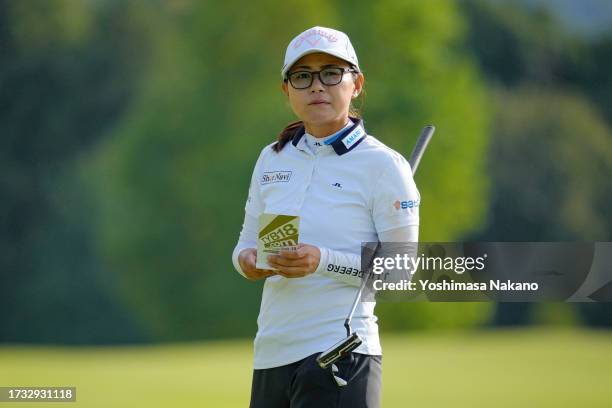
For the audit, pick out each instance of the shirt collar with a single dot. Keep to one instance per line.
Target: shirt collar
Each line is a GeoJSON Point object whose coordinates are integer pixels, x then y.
{"type": "Point", "coordinates": [343, 141]}
{"type": "Point", "coordinates": [317, 144]}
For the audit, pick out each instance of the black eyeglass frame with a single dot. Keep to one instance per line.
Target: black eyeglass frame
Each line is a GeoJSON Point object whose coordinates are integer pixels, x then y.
{"type": "Point", "coordinates": [343, 70]}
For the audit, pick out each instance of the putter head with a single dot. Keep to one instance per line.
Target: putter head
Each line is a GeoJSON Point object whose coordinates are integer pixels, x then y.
{"type": "Point", "coordinates": [339, 350]}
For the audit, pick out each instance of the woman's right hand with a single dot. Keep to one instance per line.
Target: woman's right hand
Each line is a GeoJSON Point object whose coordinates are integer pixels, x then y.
{"type": "Point", "coordinates": [247, 260]}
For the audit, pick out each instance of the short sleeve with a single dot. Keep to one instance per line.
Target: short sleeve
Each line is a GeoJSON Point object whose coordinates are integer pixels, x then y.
{"type": "Point", "coordinates": [396, 199]}
{"type": "Point", "coordinates": [254, 205]}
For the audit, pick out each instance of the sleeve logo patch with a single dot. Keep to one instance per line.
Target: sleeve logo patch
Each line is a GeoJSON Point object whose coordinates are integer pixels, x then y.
{"type": "Point", "coordinates": [403, 205]}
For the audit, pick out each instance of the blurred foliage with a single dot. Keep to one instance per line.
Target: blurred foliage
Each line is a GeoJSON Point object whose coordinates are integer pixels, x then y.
{"type": "Point", "coordinates": [64, 83]}
{"type": "Point", "coordinates": [432, 316]}
{"type": "Point", "coordinates": [514, 46]}
{"type": "Point", "coordinates": [546, 145]}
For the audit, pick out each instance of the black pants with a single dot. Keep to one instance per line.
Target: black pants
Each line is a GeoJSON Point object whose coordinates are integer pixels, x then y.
{"type": "Point", "coordinates": [304, 384]}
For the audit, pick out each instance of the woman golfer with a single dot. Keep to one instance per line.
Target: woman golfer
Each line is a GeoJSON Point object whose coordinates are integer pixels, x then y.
{"type": "Point", "coordinates": [347, 187]}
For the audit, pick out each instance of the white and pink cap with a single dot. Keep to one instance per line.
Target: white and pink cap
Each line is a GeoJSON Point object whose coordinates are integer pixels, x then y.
{"type": "Point", "coordinates": [319, 39]}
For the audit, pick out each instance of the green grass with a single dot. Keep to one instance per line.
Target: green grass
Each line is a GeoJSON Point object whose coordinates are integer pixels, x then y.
{"type": "Point", "coordinates": [523, 368]}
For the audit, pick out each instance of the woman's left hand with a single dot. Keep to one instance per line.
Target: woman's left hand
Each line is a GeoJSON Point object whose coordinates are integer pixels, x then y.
{"type": "Point", "coordinates": [296, 264]}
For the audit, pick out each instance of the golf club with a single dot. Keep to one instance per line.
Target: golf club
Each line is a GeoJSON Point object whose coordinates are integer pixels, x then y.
{"type": "Point", "coordinates": [352, 341]}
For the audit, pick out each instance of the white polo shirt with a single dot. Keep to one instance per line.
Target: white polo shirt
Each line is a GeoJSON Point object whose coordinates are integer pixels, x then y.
{"type": "Point", "coordinates": [347, 189]}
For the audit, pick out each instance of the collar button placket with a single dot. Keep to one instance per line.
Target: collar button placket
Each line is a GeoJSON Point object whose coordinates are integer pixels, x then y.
{"type": "Point", "coordinates": [307, 181]}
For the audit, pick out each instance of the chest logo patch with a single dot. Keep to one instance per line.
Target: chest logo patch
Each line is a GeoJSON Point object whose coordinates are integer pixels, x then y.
{"type": "Point", "coordinates": [275, 177]}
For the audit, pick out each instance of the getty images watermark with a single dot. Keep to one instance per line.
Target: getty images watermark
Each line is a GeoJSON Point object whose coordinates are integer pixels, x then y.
{"type": "Point", "coordinates": [457, 265]}
{"type": "Point", "coordinates": [488, 271]}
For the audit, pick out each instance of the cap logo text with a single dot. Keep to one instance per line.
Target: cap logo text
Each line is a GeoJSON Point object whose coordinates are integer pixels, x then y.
{"type": "Point", "coordinates": [317, 34]}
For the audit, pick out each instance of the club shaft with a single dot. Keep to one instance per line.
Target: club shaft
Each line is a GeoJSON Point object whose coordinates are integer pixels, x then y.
{"type": "Point", "coordinates": [415, 159]}
{"type": "Point", "coordinates": [420, 146]}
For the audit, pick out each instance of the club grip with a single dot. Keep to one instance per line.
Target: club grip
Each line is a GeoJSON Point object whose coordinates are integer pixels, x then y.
{"type": "Point", "coordinates": [421, 145]}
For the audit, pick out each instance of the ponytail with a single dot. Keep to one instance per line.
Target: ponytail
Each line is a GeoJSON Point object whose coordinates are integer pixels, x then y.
{"type": "Point", "coordinates": [286, 135]}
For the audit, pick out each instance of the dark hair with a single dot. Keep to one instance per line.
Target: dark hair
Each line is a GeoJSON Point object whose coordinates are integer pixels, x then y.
{"type": "Point", "coordinates": [289, 131]}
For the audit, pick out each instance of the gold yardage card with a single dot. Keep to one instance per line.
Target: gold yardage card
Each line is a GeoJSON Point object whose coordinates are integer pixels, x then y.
{"type": "Point", "coordinates": [276, 232]}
